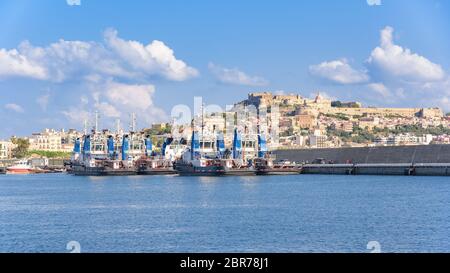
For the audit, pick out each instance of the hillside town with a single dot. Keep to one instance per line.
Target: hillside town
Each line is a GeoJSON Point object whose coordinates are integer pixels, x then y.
{"type": "Point", "coordinates": [306, 123]}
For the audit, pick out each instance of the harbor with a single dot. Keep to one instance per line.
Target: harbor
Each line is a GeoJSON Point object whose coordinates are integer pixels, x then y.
{"type": "Point", "coordinates": [205, 153]}
{"type": "Point", "coordinates": [195, 160]}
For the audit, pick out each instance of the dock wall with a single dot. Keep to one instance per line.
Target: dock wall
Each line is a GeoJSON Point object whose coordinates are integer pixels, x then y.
{"type": "Point", "coordinates": [424, 160]}
{"type": "Point", "coordinates": [371, 155]}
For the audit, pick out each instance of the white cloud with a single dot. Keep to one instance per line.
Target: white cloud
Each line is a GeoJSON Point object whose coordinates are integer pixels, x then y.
{"type": "Point", "coordinates": [339, 71]}
{"type": "Point", "coordinates": [443, 102]}
{"type": "Point", "coordinates": [107, 109]}
{"type": "Point", "coordinates": [154, 58]}
{"type": "Point", "coordinates": [89, 60]}
{"type": "Point", "coordinates": [84, 100]}
{"type": "Point", "coordinates": [400, 63]}
{"type": "Point", "coordinates": [374, 2]}
{"type": "Point", "coordinates": [14, 107]}
{"type": "Point", "coordinates": [137, 97]}
{"type": "Point", "coordinates": [12, 63]}
{"type": "Point", "coordinates": [396, 75]}
{"type": "Point", "coordinates": [113, 100]}
{"type": "Point", "coordinates": [380, 89]}
{"type": "Point", "coordinates": [322, 95]}
{"type": "Point", "coordinates": [76, 115]}
{"type": "Point", "coordinates": [235, 76]}
{"type": "Point", "coordinates": [42, 101]}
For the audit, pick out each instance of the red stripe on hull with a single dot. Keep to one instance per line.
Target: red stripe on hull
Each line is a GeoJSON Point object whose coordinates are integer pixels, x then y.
{"type": "Point", "coordinates": [19, 171]}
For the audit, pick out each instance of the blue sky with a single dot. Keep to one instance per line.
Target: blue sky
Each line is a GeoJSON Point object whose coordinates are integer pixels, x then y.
{"type": "Point", "coordinates": [60, 62]}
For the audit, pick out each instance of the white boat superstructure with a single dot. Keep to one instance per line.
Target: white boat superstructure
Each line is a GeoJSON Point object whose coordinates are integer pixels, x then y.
{"type": "Point", "coordinates": [20, 167]}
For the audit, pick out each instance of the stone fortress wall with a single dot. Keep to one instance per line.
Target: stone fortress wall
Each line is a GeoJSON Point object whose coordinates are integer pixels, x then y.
{"type": "Point", "coordinates": [323, 105]}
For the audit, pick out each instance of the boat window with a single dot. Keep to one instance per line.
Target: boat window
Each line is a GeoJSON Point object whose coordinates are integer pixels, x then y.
{"type": "Point", "coordinates": [136, 146]}
{"type": "Point", "coordinates": [98, 147]}
{"type": "Point", "coordinates": [249, 144]}
{"type": "Point", "coordinates": [206, 145]}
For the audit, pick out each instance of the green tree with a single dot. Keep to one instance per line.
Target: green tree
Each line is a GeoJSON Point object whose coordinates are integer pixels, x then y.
{"type": "Point", "coordinates": [50, 154]}
{"type": "Point", "coordinates": [21, 149]}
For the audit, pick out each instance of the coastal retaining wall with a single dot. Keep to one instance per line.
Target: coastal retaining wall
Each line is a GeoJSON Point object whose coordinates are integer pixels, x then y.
{"type": "Point", "coordinates": [370, 155]}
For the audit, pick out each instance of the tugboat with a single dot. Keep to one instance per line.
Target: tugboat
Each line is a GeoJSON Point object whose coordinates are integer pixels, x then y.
{"type": "Point", "coordinates": [152, 164]}
{"type": "Point", "coordinates": [264, 163]}
{"type": "Point", "coordinates": [93, 161]}
{"type": "Point", "coordinates": [173, 149]}
{"type": "Point", "coordinates": [196, 161]}
{"type": "Point", "coordinates": [113, 166]}
{"type": "Point", "coordinates": [87, 161]}
{"type": "Point", "coordinates": [209, 157]}
{"type": "Point", "coordinates": [237, 165]}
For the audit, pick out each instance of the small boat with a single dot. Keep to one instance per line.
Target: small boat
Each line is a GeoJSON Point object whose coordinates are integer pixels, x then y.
{"type": "Point", "coordinates": [265, 163]}
{"type": "Point", "coordinates": [235, 167]}
{"type": "Point", "coordinates": [20, 167]}
{"type": "Point", "coordinates": [200, 167]}
{"type": "Point", "coordinates": [266, 166]}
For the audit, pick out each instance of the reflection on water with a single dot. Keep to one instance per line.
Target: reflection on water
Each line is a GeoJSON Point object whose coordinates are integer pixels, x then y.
{"type": "Point", "coordinates": [209, 179]}
{"type": "Point", "coordinates": [249, 180]}
{"type": "Point", "coordinates": [97, 178]}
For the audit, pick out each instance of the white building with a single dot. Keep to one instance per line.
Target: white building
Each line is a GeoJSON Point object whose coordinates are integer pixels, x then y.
{"type": "Point", "coordinates": [404, 139]}
{"type": "Point", "coordinates": [6, 149]}
{"type": "Point", "coordinates": [318, 140]}
{"type": "Point", "coordinates": [53, 141]}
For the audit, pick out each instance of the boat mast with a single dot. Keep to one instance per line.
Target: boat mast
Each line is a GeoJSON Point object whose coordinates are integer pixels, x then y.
{"type": "Point", "coordinates": [203, 123]}
{"type": "Point", "coordinates": [117, 126]}
{"type": "Point", "coordinates": [85, 126]}
{"type": "Point", "coordinates": [96, 122]}
{"type": "Point", "coordinates": [244, 143]}
{"type": "Point", "coordinates": [133, 122]}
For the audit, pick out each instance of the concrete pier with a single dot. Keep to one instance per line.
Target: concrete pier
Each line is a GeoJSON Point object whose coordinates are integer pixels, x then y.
{"type": "Point", "coordinates": [421, 169]}
{"type": "Point", "coordinates": [328, 169]}
{"type": "Point", "coordinates": [371, 155]}
{"type": "Point", "coordinates": [427, 160]}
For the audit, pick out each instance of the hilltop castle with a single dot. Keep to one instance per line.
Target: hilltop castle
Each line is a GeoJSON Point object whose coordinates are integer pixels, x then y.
{"type": "Point", "coordinates": [323, 105]}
